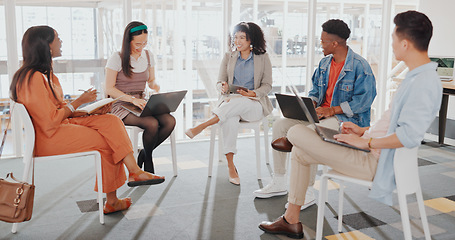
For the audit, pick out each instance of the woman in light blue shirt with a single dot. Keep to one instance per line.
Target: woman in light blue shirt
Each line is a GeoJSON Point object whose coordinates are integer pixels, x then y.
{"type": "Point", "coordinates": [248, 66]}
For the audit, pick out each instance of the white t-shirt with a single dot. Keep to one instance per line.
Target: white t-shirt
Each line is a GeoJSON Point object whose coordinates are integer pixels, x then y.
{"type": "Point", "coordinates": [139, 65]}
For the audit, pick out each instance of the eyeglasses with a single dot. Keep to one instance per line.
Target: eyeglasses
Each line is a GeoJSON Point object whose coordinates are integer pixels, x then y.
{"type": "Point", "coordinates": [140, 45]}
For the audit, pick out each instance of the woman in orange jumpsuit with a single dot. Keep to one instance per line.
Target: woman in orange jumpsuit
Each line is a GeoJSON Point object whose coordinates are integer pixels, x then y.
{"type": "Point", "coordinates": [60, 129]}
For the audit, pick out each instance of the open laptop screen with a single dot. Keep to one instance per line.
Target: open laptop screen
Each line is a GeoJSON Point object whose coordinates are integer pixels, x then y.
{"type": "Point", "coordinates": [445, 67]}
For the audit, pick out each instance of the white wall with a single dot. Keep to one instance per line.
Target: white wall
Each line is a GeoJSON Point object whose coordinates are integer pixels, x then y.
{"type": "Point", "coordinates": [442, 15]}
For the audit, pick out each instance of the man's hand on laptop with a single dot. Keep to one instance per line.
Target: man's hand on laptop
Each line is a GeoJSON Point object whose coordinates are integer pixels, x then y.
{"type": "Point", "coordinates": [352, 139]}
{"type": "Point", "coordinates": [325, 112]}
{"type": "Point", "coordinates": [351, 128]}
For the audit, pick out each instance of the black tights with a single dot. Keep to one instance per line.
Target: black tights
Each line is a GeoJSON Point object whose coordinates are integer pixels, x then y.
{"type": "Point", "coordinates": [156, 130]}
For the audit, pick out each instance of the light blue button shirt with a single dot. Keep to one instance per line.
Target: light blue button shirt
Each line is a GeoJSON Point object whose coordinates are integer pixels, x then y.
{"type": "Point", "coordinates": [414, 107]}
{"type": "Point", "coordinates": [244, 72]}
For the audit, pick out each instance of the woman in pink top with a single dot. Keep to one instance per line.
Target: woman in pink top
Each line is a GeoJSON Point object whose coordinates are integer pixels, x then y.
{"type": "Point", "coordinates": [127, 72]}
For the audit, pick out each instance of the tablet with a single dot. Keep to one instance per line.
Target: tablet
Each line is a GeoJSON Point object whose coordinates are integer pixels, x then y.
{"type": "Point", "coordinates": [233, 88]}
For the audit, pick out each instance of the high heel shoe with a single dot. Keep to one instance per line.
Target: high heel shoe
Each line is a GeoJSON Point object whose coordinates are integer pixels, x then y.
{"type": "Point", "coordinates": [235, 181]}
{"type": "Point", "coordinates": [120, 205]}
{"type": "Point", "coordinates": [134, 179]}
{"type": "Point", "coordinates": [190, 133]}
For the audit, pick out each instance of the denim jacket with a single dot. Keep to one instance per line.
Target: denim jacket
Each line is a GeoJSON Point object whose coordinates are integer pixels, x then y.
{"type": "Point", "coordinates": [354, 90]}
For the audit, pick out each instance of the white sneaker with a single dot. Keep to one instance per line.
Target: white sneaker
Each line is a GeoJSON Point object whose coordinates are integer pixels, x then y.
{"type": "Point", "coordinates": [310, 199]}
{"type": "Point", "coordinates": [277, 187]}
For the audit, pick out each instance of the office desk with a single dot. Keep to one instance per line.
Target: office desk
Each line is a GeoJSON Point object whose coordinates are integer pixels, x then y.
{"type": "Point", "coordinates": [448, 89]}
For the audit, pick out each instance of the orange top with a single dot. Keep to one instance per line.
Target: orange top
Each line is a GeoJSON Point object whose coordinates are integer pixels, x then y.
{"type": "Point", "coordinates": [55, 135]}
{"type": "Point", "coordinates": [335, 69]}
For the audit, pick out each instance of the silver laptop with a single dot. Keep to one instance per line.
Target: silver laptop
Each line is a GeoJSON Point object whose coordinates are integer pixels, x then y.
{"type": "Point", "coordinates": [159, 103]}
{"type": "Point", "coordinates": [445, 68]}
{"type": "Point", "coordinates": [325, 133]}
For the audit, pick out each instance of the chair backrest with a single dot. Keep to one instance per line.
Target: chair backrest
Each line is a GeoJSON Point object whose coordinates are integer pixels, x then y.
{"type": "Point", "coordinates": [20, 116]}
{"type": "Point", "coordinates": [406, 169]}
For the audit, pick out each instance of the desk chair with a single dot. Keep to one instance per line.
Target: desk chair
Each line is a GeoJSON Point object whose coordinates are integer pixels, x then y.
{"type": "Point", "coordinates": [21, 117]}
{"type": "Point", "coordinates": [407, 180]}
{"type": "Point", "coordinates": [256, 126]}
{"type": "Point", "coordinates": [134, 131]}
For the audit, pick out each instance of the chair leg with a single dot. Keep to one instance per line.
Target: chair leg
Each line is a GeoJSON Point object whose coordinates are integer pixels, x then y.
{"type": "Point", "coordinates": [404, 215]}
{"type": "Point", "coordinates": [325, 169]}
{"type": "Point", "coordinates": [173, 152]}
{"type": "Point", "coordinates": [258, 151]}
{"type": "Point", "coordinates": [212, 148]}
{"type": "Point", "coordinates": [134, 141]}
{"type": "Point", "coordinates": [321, 207]}
{"type": "Point", "coordinates": [340, 206]}
{"type": "Point", "coordinates": [221, 156]}
{"type": "Point", "coordinates": [265, 125]}
{"type": "Point", "coordinates": [99, 176]}
{"type": "Point", "coordinates": [423, 215]}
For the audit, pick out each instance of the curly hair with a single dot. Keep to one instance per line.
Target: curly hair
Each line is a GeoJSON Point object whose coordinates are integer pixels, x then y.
{"type": "Point", "coordinates": [126, 46]}
{"type": "Point", "coordinates": [416, 27]}
{"type": "Point", "coordinates": [337, 27]}
{"type": "Point", "coordinates": [253, 33]}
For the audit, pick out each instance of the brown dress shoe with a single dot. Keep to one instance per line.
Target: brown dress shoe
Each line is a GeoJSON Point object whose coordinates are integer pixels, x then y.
{"type": "Point", "coordinates": [280, 226]}
{"type": "Point", "coordinates": [282, 144]}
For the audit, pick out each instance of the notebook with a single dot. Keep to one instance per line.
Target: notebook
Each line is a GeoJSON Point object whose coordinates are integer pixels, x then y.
{"type": "Point", "coordinates": [290, 107]}
{"type": "Point", "coordinates": [326, 134]}
{"type": "Point", "coordinates": [159, 103]}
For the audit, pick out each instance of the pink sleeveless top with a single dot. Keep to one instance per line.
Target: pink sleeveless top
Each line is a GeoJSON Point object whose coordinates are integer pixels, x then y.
{"type": "Point", "coordinates": [133, 86]}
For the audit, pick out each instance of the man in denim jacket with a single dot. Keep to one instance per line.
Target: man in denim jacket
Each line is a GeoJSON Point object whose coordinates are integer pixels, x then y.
{"type": "Point", "coordinates": [353, 92]}
{"type": "Point", "coordinates": [343, 86]}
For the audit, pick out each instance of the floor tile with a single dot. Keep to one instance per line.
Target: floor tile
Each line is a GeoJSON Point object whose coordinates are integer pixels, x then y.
{"type": "Point", "coordinates": [449, 164]}
{"type": "Point", "coordinates": [443, 205]}
{"type": "Point", "coordinates": [424, 162]}
{"type": "Point", "coordinates": [88, 205]}
{"type": "Point", "coordinates": [413, 209]}
{"type": "Point", "coordinates": [161, 160]}
{"type": "Point", "coordinates": [451, 197]}
{"type": "Point", "coordinates": [142, 211]}
{"type": "Point", "coordinates": [191, 164]}
{"type": "Point", "coordinates": [417, 229]}
{"type": "Point", "coordinates": [361, 220]}
{"type": "Point", "coordinates": [449, 174]}
{"type": "Point", "coordinates": [330, 186]}
{"type": "Point", "coordinates": [354, 235]}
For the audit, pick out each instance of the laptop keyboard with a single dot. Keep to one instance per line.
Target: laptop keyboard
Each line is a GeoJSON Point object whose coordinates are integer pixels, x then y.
{"type": "Point", "coordinates": [328, 132]}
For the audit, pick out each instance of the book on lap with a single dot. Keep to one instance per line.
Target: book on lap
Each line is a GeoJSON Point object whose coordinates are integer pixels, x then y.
{"type": "Point", "coordinates": [92, 107]}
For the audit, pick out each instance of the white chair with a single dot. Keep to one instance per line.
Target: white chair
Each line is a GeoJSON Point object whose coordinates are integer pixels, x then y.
{"type": "Point", "coordinates": [256, 126]}
{"type": "Point", "coordinates": [134, 136]}
{"type": "Point", "coordinates": [407, 180]}
{"type": "Point", "coordinates": [21, 117]}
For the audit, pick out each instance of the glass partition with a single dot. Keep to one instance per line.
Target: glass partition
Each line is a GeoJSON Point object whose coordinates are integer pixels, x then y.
{"type": "Point", "coordinates": [91, 34]}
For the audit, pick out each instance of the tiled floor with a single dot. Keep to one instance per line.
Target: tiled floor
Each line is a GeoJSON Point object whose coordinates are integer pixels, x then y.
{"type": "Point", "coordinates": [194, 206]}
